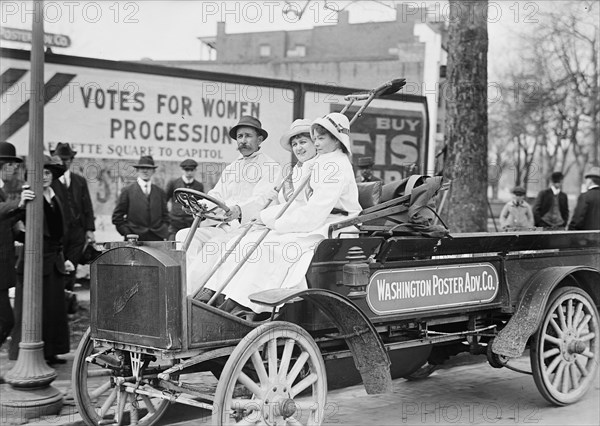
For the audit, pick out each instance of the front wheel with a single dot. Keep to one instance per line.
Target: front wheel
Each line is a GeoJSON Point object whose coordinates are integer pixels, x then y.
{"type": "Point", "coordinates": [275, 375]}
{"type": "Point", "coordinates": [100, 397]}
{"type": "Point", "coordinates": [564, 350]}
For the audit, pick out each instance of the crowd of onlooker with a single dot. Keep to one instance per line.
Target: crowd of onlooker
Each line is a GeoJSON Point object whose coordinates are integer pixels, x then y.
{"type": "Point", "coordinates": [550, 211]}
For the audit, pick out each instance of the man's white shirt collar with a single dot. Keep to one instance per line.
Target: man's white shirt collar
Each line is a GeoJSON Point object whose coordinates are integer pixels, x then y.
{"type": "Point", "coordinates": [143, 184]}
{"type": "Point", "coordinates": [66, 178]}
{"type": "Point", "coordinates": [254, 154]}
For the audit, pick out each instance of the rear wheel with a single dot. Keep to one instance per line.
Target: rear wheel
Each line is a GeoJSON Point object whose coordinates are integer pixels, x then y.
{"type": "Point", "coordinates": [101, 390]}
{"type": "Point", "coordinates": [565, 348]}
{"type": "Point", "coordinates": [275, 375]}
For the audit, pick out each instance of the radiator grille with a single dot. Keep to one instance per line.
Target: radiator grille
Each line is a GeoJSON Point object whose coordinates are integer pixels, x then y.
{"type": "Point", "coordinates": [129, 300]}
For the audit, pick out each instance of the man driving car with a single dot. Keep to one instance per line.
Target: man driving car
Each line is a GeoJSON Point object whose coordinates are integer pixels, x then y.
{"type": "Point", "coordinates": [244, 186]}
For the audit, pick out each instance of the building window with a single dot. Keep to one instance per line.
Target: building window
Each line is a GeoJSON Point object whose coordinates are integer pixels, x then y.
{"type": "Point", "coordinates": [265, 50]}
{"type": "Point", "coordinates": [299, 51]}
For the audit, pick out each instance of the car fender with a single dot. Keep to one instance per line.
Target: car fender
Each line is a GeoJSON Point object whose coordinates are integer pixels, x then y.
{"type": "Point", "coordinates": [512, 339]}
{"type": "Point", "coordinates": [369, 353]}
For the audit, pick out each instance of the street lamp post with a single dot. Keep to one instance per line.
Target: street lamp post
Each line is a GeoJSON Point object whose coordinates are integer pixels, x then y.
{"type": "Point", "coordinates": [30, 395]}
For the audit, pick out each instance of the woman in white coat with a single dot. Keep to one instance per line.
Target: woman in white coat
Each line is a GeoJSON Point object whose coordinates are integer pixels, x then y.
{"type": "Point", "coordinates": [282, 259]}
{"type": "Point", "coordinates": [296, 140]}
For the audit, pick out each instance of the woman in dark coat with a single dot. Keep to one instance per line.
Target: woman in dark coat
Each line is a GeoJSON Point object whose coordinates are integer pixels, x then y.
{"type": "Point", "coordinates": [55, 322]}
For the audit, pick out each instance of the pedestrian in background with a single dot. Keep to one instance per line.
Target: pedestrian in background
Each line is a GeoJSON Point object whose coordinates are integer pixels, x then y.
{"type": "Point", "coordinates": [365, 170]}
{"type": "Point", "coordinates": [587, 211]}
{"type": "Point", "coordinates": [73, 192]}
{"type": "Point", "coordinates": [142, 206]}
{"type": "Point", "coordinates": [551, 207]}
{"type": "Point", "coordinates": [516, 215]}
{"type": "Point", "coordinates": [11, 211]}
{"type": "Point", "coordinates": [179, 218]}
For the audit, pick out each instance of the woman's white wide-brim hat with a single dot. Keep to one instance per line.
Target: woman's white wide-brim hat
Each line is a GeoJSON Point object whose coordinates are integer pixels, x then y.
{"type": "Point", "coordinates": [338, 125]}
{"type": "Point", "coordinates": [298, 126]}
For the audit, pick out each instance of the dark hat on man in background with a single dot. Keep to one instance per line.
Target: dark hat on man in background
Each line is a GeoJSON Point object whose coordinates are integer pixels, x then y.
{"type": "Point", "coordinates": [145, 162]}
{"type": "Point", "coordinates": [188, 164]}
{"type": "Point", "coordinates": [519, 190]}
{"type": "Point", "coordinates": [365, 162]}
{"type": "Point", "coordinates": [248, 121]}
{"type": "Point", "coordinates": [8, 153]}
{"type": "Point", "coordinates": [593, 172]}
{"type": "Point", "coordinates": [64, 151]}
{"type": "Point", "coordinates": [55, 165]}
{"type": "Point", "coordinates": [557, 177]}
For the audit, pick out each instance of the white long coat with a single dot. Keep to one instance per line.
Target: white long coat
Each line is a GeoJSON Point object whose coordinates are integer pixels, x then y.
{"type": "Point", "coordinates": [282, 259]}
{"type": "Point", "coordinates": [247, 182]}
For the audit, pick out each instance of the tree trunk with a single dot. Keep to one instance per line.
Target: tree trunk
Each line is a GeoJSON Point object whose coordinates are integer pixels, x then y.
{"type": "Point", "coordinates": [466, 116]}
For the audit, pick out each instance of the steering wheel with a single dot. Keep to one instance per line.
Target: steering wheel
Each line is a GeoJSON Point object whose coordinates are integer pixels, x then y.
{"type": "Point", "coordinates": [191, 199]}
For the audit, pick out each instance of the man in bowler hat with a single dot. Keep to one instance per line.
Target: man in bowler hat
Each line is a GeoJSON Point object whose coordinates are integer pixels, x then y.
{"type": "Point", "coordinates": [365, 170]}
{"type": "Point", "coordinates": [179, 218]}
{"type": "Point", "coordinates": [551, 207]}
{"type": "Point", "coordinates": [72, 190]}
{"type": "Point", "coordinates": [11, 211]}
{"type": "Point", "coordinates": [587, 211]}
{"type": "Point", "coordinates": [142, 206]}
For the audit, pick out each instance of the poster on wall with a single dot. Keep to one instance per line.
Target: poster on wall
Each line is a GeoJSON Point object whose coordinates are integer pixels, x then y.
{"type": "Point", "coordinates": [113, 113]}
{"type": "Point", "coordinates": [116, 114]}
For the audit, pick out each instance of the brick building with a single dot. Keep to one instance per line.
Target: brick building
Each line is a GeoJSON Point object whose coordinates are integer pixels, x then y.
{"type": "Point", "coordinates": [360, 55]}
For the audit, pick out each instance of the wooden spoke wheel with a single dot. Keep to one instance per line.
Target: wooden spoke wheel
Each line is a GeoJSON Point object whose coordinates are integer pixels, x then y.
{"type": "Point", "coordinates": [275, 375]}
{"type": "Point", "coordinates": [564, 350]}
{"type": "Point", "coordinates": [101, 396]}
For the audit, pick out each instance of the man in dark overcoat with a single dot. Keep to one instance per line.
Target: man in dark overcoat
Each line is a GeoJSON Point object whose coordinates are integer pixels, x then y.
{"type": "Point", "coordinates": [11, 211]}
{"type": "Point", "coordinates": [587, 211]}
{"type": "Point", "coordinates": [365, 170]}
{"type": "Point", "coordinates": [551, 207]}
{"type": "Point", "coordinates": [73, 192]}
{"type": "Point", "coordinates": [179, 218]}
{"type": "Point", "coordinates": [142, 206]}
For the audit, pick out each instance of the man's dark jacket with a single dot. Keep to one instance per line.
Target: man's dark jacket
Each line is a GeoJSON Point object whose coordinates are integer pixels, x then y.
{"type": "Point", "coordinates": [179, 218]}
{"type": "Point", "coordinates": [543, 204]}
{"type": "Point", "coordinates": [136, 213]}
{"type": "Point", "coordinates": [10, 213]}
{"type": "Point", "coordinates": [78, 208]}
{"type": "Point", "coordinates": [587, 212]}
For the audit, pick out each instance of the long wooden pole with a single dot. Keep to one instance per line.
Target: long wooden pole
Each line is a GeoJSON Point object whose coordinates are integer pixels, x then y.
{"type": "Point", "coordinates": [248, 226]}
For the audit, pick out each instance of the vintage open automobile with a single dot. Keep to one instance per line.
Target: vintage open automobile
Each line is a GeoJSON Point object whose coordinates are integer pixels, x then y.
{"type": "Point", "coordinates": [380, 304]}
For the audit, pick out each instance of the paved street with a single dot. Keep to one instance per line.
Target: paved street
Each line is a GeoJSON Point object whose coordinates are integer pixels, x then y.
{"type": "Point", "coordinates": [471, 394]}
{"type": "Point", "coordinates": [466, 391]}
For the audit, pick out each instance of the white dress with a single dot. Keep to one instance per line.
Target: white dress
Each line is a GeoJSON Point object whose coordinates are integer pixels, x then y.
{"type": "Point", "coordinates": [283, 257]}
